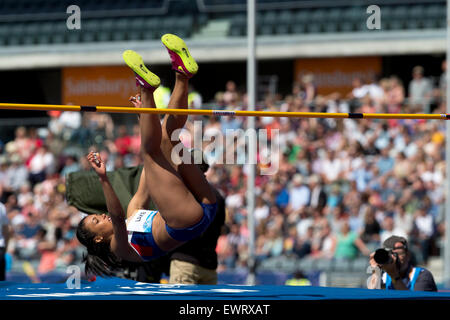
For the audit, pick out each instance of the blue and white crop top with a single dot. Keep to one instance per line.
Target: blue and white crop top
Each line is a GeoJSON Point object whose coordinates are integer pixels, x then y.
{"type": "Point", "coordinates": [140, 235]}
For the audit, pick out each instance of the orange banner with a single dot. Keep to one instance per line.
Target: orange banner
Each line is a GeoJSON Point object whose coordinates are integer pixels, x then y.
{"type": "Point", "coordinates": [336, 74]}
{"type": "Point", "coordinates": [109, 86]}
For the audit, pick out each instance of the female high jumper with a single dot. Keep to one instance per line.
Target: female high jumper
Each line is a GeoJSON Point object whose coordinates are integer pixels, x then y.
{"type": "Point", "coordinates": [186, 203]}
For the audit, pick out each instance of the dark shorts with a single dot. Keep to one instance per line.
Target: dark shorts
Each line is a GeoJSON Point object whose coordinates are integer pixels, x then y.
{"type": "Point", "coordinates": [186, 234]}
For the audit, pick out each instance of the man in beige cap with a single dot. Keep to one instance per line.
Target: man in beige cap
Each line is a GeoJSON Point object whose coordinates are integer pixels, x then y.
{"type": "Point", "coordinates": [420, 89]}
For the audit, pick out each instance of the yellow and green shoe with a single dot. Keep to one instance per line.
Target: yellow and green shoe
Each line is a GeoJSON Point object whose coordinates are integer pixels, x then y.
{"type": "Point", "coordinates": [182, 61]}
{"type": "Point", "coordinates": [144, 77]}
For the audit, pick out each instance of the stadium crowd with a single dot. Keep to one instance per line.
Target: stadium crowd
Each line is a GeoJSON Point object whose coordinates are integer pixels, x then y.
{"type": "Point", "coordinates": [341, 188]}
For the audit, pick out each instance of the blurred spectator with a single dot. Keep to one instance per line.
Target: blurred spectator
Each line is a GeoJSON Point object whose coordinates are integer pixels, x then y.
{"type": "Point", "coordinates": [25, 195]}
{"type": "Point", "coordinates": [274, 242]}
{"type": "Point", "coordinates": [234, 242]}
{"type": "Point", "coordinates": [22, 144]}
{"type": "Point", "coordinates": [423, 232]}
{"type": "Point", "coordinates": [299, 194]}
{"type": "Point", "coordinates": [332, 166]}
{"type": "Point", "coordinates": [261, 210]}
{"type": "Point", "coordinates": [41, 164]}
{"type": "Point", "coordinates": [162, 96]}
{"type": "Point", "coordinates": [135, 140]}
{"type": "Point", "coordinates": [303, 245]}
{"type": "Point", "coordinates": [4, 239]}
{"type": "Point", "coordinates": [325, 244]}
{"type": "Point", "coordinates": [67, 123]}
{"type": "Point", "coordinates": [348, 244]}
{"type": "Point", "coordinates": [230, 95]}
{"type": "Point", "coordinates": [318, 195]}
{"type": "Point", "coordinates": [309, 88]}
{"type": "Point", "coordinates": [359, 90]}
{"type": "Point", "coordinates": [195, 99]}
{"type": "Point", "coordinates": [419, 91]}
{"type": "Point", "coordinates": [70, 165]}
{"type": "Point", "coordinates": [123, 141]}
{"type": "Point", "coordinates": [290, 241]}
{"type": "Point", "coordinates": [16, 175]}
{"type": "Point", "coordinates": [305, 221]}
{"type": "Point", "coordinates": [371, 231]}
{"type": "Point", "coordinates": [299, 279]}
{"type": "Point", "coordinates": [403, 220]}
{"type": "Point", "coordinates": [395, 95]}
{"type": "Point", "coordinates": [385, 163]}
{"type": "Point", "coordinates": [334, 198]}
{"type": "Point", "coordinates": [282, 195]}
{"type": "Point", "coordinates": [389, 229]}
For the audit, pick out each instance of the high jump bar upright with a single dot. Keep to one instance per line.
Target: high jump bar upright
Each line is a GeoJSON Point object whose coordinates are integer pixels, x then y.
{"type": "Point", "coordinates": [210, 112]}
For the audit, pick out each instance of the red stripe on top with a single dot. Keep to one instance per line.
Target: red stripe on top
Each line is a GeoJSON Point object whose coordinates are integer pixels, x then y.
{"type": "Point", "coordinates": [143, 250]}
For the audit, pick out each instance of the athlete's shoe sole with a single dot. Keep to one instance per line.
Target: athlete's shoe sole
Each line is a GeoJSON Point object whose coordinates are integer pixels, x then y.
{"type": "Point", "coordinates": [182, 60]}
{"type": "Point", "coordinates": [143, 75]}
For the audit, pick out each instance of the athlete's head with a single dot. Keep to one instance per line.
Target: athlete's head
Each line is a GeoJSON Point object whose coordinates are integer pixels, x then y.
{"type": "Point", "coordinates": [95, 232]}
{"type": "Point", "coordinates": [100, 226]}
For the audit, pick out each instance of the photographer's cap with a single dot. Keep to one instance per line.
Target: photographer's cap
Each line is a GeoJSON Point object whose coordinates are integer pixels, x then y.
{"type": "Point", "coordinates": [390, 242]}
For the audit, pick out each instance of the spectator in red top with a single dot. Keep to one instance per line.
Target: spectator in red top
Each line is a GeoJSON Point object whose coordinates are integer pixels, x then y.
{"type": "Point", "coordinates": [123, 141]}
{"type": "Point", "coordinates": [135, 140]}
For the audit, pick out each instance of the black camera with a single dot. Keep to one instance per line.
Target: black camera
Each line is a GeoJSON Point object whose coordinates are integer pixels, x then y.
{"type": "Point", "coordinates": [384, 256]}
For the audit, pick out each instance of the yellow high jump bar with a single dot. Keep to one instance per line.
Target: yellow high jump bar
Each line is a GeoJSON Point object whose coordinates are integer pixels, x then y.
{"type": "Point", "coordinates": [239, 113]}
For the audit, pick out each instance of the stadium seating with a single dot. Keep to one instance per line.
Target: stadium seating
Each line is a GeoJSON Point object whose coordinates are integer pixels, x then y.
{"type": "Point", "coordinates": [29, 22]}
{"type": "Point", "coordinates": [324, 265]}
{"type": "Point", "coordinates": [357, 266]}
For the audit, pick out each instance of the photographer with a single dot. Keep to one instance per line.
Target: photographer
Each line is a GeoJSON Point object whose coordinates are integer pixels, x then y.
{"type": "Point", "coordinates": [399, 271]}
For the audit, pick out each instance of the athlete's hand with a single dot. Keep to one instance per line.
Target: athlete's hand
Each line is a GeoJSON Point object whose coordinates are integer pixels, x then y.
{"type": "Point", "coordinates": [97, 163]}
{"type": "Point", "coordinates": [136, 101]}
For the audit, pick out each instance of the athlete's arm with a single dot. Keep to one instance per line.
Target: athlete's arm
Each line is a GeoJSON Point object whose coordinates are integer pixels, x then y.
{"type": "Point", "coordinates": [119, 242]}
{"type": "Point", "coordinates": [141, 198]}
{"type": "Point", "coordinates": [113, 205]}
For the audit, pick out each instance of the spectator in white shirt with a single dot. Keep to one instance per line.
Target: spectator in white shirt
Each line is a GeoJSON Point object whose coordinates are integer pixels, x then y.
{"type": "Point", "coordinates": [261, 210]}
{"type": "Point", "coordinates": [41, 164]}
{"type": "Point", "coordinates": [359, 89]}
{"type": "Point", "coordinates": [390, 229]}
{"type": "Point", "coordinates": [420, 89]}
{"type": "Point", "coordinates": [16, 174]}
{"type": "Point", "coordinates": [299, 194]}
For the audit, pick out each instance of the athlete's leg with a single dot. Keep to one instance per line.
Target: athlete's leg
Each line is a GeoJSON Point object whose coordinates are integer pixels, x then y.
{"type": "Point", "coordinates": [192, 176]}
{"type": "Point", "coordinates": [178, 100]}
{"type": "Point", "coordinates": [185, 68]}
{"type": "Point", "coordinates": [176, 204]}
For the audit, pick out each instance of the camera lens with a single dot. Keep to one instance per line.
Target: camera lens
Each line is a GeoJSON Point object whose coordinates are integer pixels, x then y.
{"type": "Point", "coordinates": [381, 256]}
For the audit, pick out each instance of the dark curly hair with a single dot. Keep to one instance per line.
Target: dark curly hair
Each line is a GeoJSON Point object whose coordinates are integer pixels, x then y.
{"type": "Point", "coordinates": [99, 259]}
